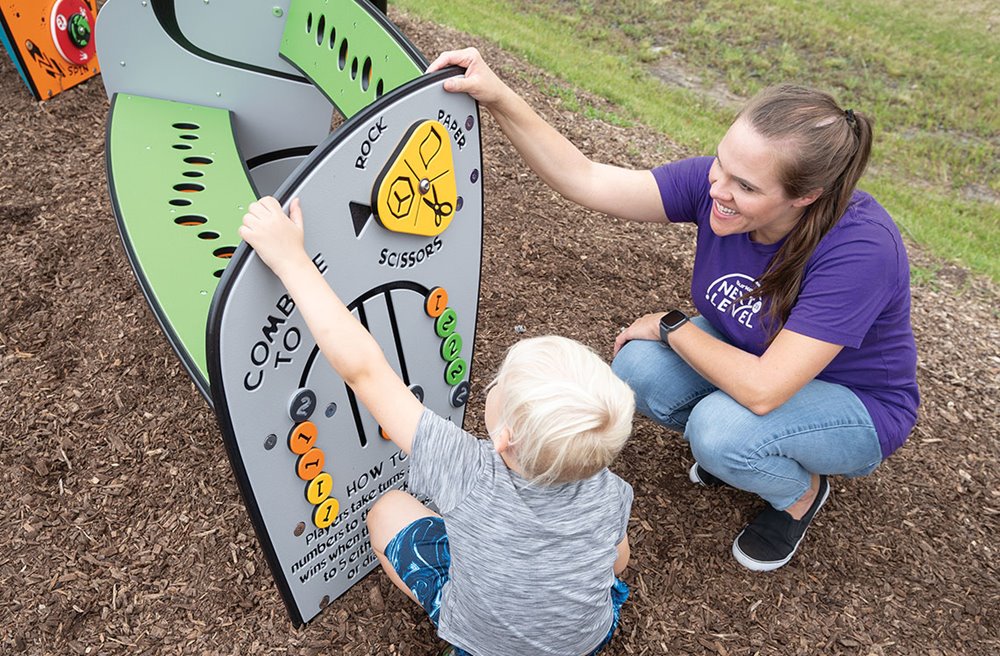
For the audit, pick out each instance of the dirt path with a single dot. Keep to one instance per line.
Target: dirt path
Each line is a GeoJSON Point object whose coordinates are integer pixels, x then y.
{"type": "Point", "coordinates": [121, 526]}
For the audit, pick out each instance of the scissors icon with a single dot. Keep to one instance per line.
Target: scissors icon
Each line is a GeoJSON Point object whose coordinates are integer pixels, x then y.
{"type": "Point", "coordinates": [441, 210]}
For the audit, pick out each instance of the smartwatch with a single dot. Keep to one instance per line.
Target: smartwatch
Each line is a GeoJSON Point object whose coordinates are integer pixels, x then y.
{"type": "Point", "coordinates": [670, 322]}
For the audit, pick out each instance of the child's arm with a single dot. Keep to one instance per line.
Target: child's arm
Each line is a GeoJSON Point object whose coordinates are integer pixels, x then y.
{"type": "Point", "coordinates": [623, 555]}
{"type": "Point", "coordinates": [349, 348]}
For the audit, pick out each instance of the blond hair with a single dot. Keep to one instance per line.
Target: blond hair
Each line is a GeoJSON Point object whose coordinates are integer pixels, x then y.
{"type": "Point", "coordinates": [568, 414]}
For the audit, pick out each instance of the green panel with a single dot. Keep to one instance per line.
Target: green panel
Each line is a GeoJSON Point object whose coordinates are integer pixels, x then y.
{"type": "Point", "coordinates": [180, 191]}
{"type": "Point", "coordinates": [351, 54]}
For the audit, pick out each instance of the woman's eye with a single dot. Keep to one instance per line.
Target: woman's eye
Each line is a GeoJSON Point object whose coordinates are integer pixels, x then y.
{"type": "Point", "coordinates": [745, 187]}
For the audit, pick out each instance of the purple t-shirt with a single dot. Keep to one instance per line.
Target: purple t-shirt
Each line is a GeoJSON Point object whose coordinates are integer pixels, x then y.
{"type": "Point", "coordinates": [855, 292]}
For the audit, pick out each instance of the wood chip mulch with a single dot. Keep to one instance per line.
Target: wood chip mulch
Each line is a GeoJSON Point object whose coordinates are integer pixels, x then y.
{"type": "Point", "coordinates": [122, 531]}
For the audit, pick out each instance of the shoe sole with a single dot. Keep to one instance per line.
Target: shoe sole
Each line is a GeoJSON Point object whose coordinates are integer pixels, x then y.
{"type": "Point", "coordinates": [693, 476]}
{"type": "Point", "coordinates": [771, 565]}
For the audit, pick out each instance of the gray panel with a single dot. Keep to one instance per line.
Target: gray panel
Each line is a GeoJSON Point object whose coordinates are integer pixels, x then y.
{"type": "Point", "coordinates": [269, 176]}
{"type": "Point", "coordinates": [271, 113]}
{"type": "Point", "coordinates": [249, 26]}
{"type": "Point", "coordinates": [360, 269]}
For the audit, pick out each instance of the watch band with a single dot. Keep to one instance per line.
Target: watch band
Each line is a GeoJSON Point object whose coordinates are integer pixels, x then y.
{"type": "Point", "coordinates": [670, 322]}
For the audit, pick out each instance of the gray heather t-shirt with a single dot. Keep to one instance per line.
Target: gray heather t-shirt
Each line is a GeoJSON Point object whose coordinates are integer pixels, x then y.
{"type": "Point", "coordinates": [531, 567]}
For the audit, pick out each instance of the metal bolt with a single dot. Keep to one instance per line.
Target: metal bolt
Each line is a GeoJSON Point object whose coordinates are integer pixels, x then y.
{"type": "Point", "coordinates": [425, 186]}
{"type": "Point", "coordinates": [278, 12]}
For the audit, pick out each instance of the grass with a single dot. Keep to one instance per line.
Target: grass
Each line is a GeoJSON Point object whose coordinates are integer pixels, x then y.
{"type": "Point", "coordinates": [925, 70]}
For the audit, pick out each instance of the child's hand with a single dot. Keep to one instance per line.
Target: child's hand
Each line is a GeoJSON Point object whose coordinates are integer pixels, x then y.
{"type": "Point", "coordinates": [276, 238]}
{"type": "Point", "coordinates": [480, 81]}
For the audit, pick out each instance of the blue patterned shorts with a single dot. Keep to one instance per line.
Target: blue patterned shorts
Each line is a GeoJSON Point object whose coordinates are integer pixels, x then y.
{"type": "Point", "coordinates": [421, 556]}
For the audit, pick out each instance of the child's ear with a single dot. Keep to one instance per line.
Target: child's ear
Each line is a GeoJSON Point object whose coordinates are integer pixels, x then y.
{"type": "Point", "coordinates": [501, 442]}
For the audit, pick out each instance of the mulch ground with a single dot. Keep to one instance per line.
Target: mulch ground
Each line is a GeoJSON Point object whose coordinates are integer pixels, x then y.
{"type": "Point", "coordinates": [122, 530]}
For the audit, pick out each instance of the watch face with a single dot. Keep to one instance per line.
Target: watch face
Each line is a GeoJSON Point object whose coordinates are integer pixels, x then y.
{"type": "Point", "coordinates": [673, 319]}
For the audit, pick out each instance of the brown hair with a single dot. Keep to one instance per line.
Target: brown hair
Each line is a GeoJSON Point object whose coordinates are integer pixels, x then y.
{"type": "Point", "coordinates": [828, 149]}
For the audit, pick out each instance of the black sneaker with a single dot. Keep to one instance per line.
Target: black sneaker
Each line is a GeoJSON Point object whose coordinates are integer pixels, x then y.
{"type": "Point", "coordinates": [701, 476]}
{"type": "Point", "coordinates": [770, 540]}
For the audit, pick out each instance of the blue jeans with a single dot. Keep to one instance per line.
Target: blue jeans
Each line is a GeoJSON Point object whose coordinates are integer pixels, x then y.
{"type": "Point", "coordinates": [823, 429]}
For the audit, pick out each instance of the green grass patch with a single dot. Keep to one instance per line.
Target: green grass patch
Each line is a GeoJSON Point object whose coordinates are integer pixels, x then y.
{"type": "Point", "coordinates": [925, 71]}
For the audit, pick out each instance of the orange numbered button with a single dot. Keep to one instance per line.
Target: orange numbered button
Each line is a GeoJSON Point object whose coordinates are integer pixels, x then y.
{"type": "Point", "coordinates": [302, 437]}
{"type": "Point", "coordinates": [310, 464]}
{"type": "Point", "coordinates": [319, 489]}
{"type": "Point", "coordinates": [437, 302]}
{"type": "Point", "coordinates": [326, 513]}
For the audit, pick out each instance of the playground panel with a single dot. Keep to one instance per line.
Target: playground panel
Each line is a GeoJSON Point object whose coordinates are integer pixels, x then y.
{"type": "Point", "coordinates": [179, 191]}
{"type": "Point", "coordinates": [50, 43]}
{"type": "Point", "coordinates": [276, 113]}
{"type": "Point", "coordinates": [393, 201]}
{"type": "Point", "coordinates": [309, 458]}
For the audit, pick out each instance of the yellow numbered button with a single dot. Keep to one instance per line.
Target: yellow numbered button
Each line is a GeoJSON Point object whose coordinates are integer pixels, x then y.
{"type": "Point", "coordinates": [319, 489]}
{"type": "Point", "coordinates": [416, 192]}
{"type": "Point", "coordinates": [326, 513]}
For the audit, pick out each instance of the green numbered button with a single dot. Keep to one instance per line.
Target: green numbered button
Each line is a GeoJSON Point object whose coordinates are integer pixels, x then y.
{"type": "Point", "coordinates": [455, 371]}
{"type": "Point", "coordinates": [451, 348]}
{"type": "Point", "coordinates": [445, 324]}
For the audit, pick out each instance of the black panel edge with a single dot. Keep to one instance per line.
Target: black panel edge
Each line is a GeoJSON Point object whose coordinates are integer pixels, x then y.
{"type": "Point", "coordinates": [479, 290]}
{"type": "Point", "coordinates": [383, 20]}
{"type": "Point", "coordinates": [278, 155]}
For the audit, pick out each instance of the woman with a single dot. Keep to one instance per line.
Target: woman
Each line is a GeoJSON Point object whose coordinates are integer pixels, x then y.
{"type": "Point", "coordinates": [802, 362]}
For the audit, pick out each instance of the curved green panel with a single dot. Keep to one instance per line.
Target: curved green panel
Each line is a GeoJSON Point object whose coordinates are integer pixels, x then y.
{"type": "Point", "coordinates": [180, 190]}
{"type": "Point", "coordinates": [349, 51]}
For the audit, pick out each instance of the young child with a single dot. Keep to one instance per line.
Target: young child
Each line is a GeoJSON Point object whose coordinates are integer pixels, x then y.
{"type": "Point", "coordinates": [524, 557]}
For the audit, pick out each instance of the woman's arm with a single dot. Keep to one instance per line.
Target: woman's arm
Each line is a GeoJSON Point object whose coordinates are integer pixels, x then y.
{"type": "Point", "coordinates": [760, 384]}
{"type": "Point", "coordinates": [614, 190]}
{"type": "Point", "coordinates": [349, 348]}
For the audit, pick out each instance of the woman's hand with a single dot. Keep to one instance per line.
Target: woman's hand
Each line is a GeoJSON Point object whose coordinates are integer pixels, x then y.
{"type": "Point", "coordinates": [278, 239]}
{"type": "Point", "coordinates": [645, 327]}
{"type": "Point", "coordinates": [480, 81]}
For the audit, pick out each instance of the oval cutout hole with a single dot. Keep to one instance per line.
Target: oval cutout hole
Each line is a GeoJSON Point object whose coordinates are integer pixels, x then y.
{"type": "Point", "coordinates": [198, 161]}
{"type": "Point", "coordinates": [189, 187]}
{"type": "Point", "coordinates": [354, 68]}
{"type": "Point", "coordinates": [225, 252]}
{"type": "Point", "coordinates": [379, 89]}
{"type": "Point", "coordinates": [320, 30]}
{"type": "Point", "coordinates": [193, 174]}
{"type": "Point", "coordinates": [182, 146]}
{"type": "Point", "coordinates": [186, 126]}
{"type": "Point", "coordinates": [180, 202]}
{"type": "Point", "coordinates": [208, 235]}
{"type": "Point", "coordinates": [309, 23]}
{"type": "Point", "coordinates": [333, 37]}
{"type": "Point", "coordinates": [190, 220]}
{"type": "Point", "coordinates": [218, 274]}
{"type": "Point", "coordinates": [189, 137]}
{"type": "Point", "coordinates": [342, 57]}
{"type": "Point", "coordinates": [366, 74]}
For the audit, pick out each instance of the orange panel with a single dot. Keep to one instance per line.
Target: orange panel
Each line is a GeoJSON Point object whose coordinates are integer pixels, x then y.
{"type": "Point", "coordinates": [53, 42]}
